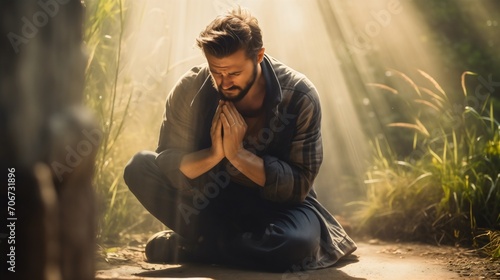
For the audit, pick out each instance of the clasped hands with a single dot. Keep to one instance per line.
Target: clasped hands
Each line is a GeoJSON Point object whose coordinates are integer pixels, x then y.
{"type": "Point", "coordinates": [227, 131]}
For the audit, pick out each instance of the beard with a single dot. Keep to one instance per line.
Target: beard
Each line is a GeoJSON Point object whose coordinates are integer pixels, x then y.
{"type": "Point", "coordinates": [243, 91]}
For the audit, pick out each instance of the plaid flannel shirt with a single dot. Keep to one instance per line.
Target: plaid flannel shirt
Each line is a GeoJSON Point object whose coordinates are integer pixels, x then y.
{"type": "Point", "coordinates": [290, 143]}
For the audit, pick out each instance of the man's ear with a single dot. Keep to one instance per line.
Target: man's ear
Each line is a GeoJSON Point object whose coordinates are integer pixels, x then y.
{"type": "Point", "coordinates": [260, 55]}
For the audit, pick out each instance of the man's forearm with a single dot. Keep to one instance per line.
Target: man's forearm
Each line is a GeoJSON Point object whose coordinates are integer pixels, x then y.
{"type": "Point", "coordinates": [251, 166]}
{"type": "Point", "coordinates": [197, 163]}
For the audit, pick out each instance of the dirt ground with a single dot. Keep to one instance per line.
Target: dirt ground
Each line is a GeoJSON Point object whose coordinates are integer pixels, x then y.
{"type": "Point", "coordinates": [373, 260]}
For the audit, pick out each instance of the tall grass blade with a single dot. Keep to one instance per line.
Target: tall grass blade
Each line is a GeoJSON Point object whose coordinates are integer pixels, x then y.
{"type": "Point", "coordinates": [410, 126]}
{"type": "Point", "coordinates": [409, 81]}
{"type": "Point", "coordinates": [428, 104]}
{"type": "Point", "coordinates": [384, 87]}
{"type": "Point", "coordinates": [462, 80]}
{"type": "Point", "coordinates": [434, 83]}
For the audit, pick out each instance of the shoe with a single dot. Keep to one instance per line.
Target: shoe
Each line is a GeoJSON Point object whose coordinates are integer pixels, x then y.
{"type": "Point", "coordinates": [166, 247]}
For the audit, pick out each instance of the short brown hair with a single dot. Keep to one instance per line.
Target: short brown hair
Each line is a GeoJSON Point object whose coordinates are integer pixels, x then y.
{"type": "Point", "coordinates": [229, 33]}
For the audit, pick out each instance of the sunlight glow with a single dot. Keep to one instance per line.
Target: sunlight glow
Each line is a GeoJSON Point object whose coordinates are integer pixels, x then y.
{"type": "Point", "coordinates": [340, 45]}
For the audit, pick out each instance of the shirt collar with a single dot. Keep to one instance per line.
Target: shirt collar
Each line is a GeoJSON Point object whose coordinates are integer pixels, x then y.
{"type": "Point", "coordinates": [273, 87]}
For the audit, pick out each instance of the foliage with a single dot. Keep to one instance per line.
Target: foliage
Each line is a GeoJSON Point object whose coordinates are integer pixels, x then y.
{"type": "Point", "coordinates": [448, 188]}
{"type": "Point", "coordinates": [110, 95]}
{"type": "Point", "coordinates": [471, 46]}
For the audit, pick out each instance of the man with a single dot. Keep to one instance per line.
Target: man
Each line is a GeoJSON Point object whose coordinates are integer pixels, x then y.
{"type": "Point", "coordinates": [239, 149]}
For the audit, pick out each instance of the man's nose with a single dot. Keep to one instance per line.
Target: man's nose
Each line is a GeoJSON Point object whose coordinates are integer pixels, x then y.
{"type": "Point", "coordinates": [226, 82]}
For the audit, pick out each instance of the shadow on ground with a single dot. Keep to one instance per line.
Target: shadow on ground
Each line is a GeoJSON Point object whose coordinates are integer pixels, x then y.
{"type": "Point", "coordinates": [201, 271]}
{"type": "Point", "coordinates": [373, 261]}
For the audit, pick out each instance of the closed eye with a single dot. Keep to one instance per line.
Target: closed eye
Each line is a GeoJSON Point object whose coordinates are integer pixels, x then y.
{"type": "Point", "coordinates": [215, 73]}
{"type": "Point", "coordinates": [233, 74]}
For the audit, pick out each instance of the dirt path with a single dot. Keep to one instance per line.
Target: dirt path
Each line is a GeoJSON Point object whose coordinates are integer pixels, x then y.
{"type": "Point", "coordinates": [373, 260]}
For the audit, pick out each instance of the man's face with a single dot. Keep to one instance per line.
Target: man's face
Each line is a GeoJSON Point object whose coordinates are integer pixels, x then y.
{"type": "Point", "coordinates": [233, 75]}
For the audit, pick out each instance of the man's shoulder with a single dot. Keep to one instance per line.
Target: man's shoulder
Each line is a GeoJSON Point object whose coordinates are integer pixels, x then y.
{"type": "Point", "coordinates": [290, 78]}
{"type": "Point", "coordinates": [295, 86]}
{"type": "Point", "coordinates": [191, 80]}
{"type": "Point", "coordinates": [188, 85]}
{"type": "Point", "coordinates": [198, 72]}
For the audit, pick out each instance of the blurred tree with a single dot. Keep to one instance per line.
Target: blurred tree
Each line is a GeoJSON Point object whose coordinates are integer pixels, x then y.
{"type": "Point", "coordinates": [45, 155]}
{"type": "Point", "coordinates": [466, 34]}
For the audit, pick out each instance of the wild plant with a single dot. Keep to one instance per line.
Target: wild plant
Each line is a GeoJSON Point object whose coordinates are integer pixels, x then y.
{"type": "Point", "coordinates": [447, 187]}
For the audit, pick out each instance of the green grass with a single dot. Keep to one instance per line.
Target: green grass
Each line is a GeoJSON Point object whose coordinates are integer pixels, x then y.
{"type": "Point", "coordinates": [110, 94]}
{"type": "Point", "coordinates": [447, 188]}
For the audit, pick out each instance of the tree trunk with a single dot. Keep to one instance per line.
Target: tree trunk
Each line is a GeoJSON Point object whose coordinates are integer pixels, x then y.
{"type": "Point", "coordinates": [48, 143]}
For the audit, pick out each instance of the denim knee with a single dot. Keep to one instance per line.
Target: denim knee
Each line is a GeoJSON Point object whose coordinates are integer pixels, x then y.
{"type": "Point", "coordinates": [297, 250]}
{"type": "Point", "coordinates": [137, 167]}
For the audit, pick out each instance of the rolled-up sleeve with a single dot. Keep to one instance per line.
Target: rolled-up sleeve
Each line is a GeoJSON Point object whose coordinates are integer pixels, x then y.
{"type": "Point", "coordinates": [289, 180]}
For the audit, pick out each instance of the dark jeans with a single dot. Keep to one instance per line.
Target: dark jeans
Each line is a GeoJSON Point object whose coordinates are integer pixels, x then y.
{"type": "Point", "coordinates": [232, 222]}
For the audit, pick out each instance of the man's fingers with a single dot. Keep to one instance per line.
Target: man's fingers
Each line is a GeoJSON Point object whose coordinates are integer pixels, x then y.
{"type": "Point", "coordinates": [217, 111]}
{"type": "Point", "coordinates": [229, 115]}
{"type": "Point", "coordinates": [225, 121]}
{"type": "Point", "coordinates": [238, 118]}
{"type": "Point", "coordinates": [217, 114]}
